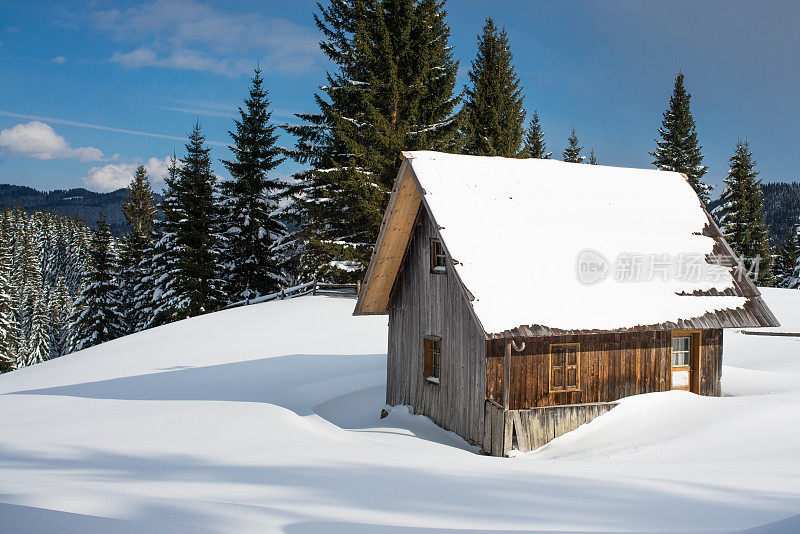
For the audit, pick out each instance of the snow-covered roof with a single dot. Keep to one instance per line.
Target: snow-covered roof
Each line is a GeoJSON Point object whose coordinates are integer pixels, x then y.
{"type": "Point", "coordinates": [527, 237]}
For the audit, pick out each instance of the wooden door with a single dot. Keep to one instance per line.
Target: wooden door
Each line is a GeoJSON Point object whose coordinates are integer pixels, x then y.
{"type": "Point", "coordinates": [685, 359]}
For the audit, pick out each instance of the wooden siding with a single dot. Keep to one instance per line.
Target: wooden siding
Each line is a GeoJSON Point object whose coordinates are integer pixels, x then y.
{"type": "Point", "coordinates": [425, 303]}
{"type": "Point", "coordinates": [612, 366]}
{"type": "Point", "coordinates": [711, 363]}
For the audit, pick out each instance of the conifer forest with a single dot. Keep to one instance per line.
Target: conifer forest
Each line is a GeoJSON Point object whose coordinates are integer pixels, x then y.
{"type": "Point", "coordinates": [209, 243]}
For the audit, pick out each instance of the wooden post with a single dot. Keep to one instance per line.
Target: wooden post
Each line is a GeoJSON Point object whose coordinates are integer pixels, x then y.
{"type": "Point", "coordinates": [507, 376]}
{"type": "Point", "coordinates": [314, 290]}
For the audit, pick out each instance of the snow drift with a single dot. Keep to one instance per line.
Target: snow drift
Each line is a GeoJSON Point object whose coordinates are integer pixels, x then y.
{"type": "Point", "coordinates": [266, 419]}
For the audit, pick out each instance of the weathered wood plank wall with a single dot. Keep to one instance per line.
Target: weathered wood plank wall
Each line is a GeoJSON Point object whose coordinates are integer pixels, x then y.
{"type": "Point", "coordinates": [527, 430]}
{"type": "Point", "coordinates": [612, 366]}
{"type": "Point", "coordinates": [711, 362]}
{"type": "Point", "coordinates": [425, 303]}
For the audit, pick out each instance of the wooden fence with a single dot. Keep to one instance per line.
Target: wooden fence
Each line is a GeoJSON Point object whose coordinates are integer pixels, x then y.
{"type": "Point", "coordinates": [527, 430]}
{"type": "Point", "coordinates": [308, 288]}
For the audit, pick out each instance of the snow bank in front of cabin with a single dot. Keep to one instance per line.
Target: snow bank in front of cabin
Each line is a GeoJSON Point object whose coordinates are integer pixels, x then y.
{"type": "Point", "coordinates": [517, 227]}
{"type": "Point", "coordinates": [266, 419]}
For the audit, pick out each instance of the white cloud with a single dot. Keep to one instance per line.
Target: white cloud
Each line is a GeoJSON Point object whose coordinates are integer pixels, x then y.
{"type": "Point", "coordinates": [118, 175]}
{"type": "Point", "coordinates": [59, 60]}
{"type": "Point", "coordinates": [184, 34]}
{"type": "Point", "coordinates": [38, 140]}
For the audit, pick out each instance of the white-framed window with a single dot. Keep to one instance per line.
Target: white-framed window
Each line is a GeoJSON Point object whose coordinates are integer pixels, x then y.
{"type": "Point", "coordinates": [681, 351]}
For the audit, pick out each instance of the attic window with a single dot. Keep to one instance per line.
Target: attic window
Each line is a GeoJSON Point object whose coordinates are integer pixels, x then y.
{"type": "Point", "coordinates": [438, 261]}
{"type": "Point", "coordinates": [565, 362]}
{"type": "Point", "coordinates": [433, 351]}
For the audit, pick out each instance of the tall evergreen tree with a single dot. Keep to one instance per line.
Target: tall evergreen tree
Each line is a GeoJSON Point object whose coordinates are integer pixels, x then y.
{"type": "Point", "coordinates": [572, 153]}
{"type": "Point", "coordinates": [96, 315]}
{"type": "Point", "coordinates": [158, 296]}
{"type": "Point", "coordinates": [391, 90]}
{"type": "Point", "coordinates": [61, 326]}
{"type": "Point", "coordinates": [535, 146]}
{"type": "Point", "coordinates": [678, 148]}
{"type": "Point", "coordinates": [38, 346]}
{"type": "Point", "coordinates": [787, 260]}
{"type": "Point", "coordinates": [140, 211]}
{"type": "Point", "coordinates": [742, 213]}
{"type": "Point", "coordinates": [253, 229]}
{"type": "Point", "coordinates": [198, 236]}
{"type": "Point", "coordinates": [493, 123]}
{"type": "Point", "coordinates": [9, 330]}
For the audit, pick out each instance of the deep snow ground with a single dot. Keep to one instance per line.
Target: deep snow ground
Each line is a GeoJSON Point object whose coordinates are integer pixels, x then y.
{"type": "Point", "coordinates": [265, 419]}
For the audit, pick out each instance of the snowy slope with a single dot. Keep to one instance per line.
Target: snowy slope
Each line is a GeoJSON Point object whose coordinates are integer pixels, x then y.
{"type": "Point", "coordinates": [265, 419]}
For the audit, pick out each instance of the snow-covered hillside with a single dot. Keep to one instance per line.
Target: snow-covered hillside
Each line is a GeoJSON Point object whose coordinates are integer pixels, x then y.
{"type": "Point", "coordinates": [265, 419]}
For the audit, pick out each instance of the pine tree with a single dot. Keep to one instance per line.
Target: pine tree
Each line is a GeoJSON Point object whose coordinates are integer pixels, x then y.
{"type": "Point", "coordinates": [787, 258]}
{"type": "Point", "coordinates": [250, 202]}
{"type": "Point", "coordinates": [198, 236]}
{"type": "Point", "coordinates": [592, 159]}
{"type": "Point", "coordinates": [60, 319]}
{"type": "Point", "coordinates": [96, 315]}
{"type": "Point", "coordinates": [392, 90]}
{"type": "Point", "coordinates": [742, 217]}
{"type": "Point", "coordinates": [572, 153]}
{"type": "Point", "coordinates": [38, 345]}
{"type": "Point", "coordinates": [158, 298]}
{"type": "Point", "coordinates": [678, 148]}
{"type": "Point", "coordinates": [140, 212]}
{"type": "Point", "coordinates": [535, 146]}
{"type": "Point", "coordinates": [493, 112]}
{"type": "Point", "coordinates": [9, 330]}
{"type": "Point", "coordinates": [139, 207]}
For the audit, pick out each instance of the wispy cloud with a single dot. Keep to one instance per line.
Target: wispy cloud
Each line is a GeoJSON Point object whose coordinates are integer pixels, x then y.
{"type": "Point", "coordinates": [37, 140]}
{"type": "Point", "coordinates": [118, 175]}
{"type": "Point", "coordinates": [59, 60]}
{"type": "Point", "coordinates": [199, 111]}
{"type": "Point", "coordinates": [187, 35]}
{"type": "Point", "coordinates": [99, 127]}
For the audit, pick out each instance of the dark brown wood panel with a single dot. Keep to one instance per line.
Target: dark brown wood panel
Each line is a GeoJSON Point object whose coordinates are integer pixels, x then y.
{"type": "Point", "coordinates": [612, 366]}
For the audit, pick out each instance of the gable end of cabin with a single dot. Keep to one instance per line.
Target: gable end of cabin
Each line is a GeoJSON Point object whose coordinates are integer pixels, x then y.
{"type": "Point", "coordinates": [436, 349]}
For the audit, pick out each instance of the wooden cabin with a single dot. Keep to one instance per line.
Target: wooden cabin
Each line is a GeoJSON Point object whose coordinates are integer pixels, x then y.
{"type": "Point", "coordinates": [519, 306]}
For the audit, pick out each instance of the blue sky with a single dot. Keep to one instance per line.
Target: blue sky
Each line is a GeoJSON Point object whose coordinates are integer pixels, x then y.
{"type": "Point", "coordinates": [88, 90]}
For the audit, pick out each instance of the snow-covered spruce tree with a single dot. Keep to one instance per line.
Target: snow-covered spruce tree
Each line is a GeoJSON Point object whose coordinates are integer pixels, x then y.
{"type": "Point", "coordinates": [250, 202]}
{"type": "Point", "coordinates": [592, 159]}
{"type": "Point", "coordinates": [96, 315]}
{"type": "Point", "coordinates": [742, 215]}
{"type": "Point", "coordinates": [158, 299]}
{"type": "Point", "coordinates": [572, 153]}
{"type": "Point", "coordinates": [678, 148]}
{"type": "Point", "coordinates": [60, 319]}
{"type": "Point", "coordinates": [391, 90]}
{"type": "Point", "coordinates": [535, 146]}
{"type": "Point", "coordinates": [140, 212]}
{"type": "Point", "coordinates": [494, 116]}
{"type": "Point", "coordinates": [786, 260]}
{"type": "Point", "coordinates": [27, 278]}
{"type": "Point", "coordinates": [9, 329]}
{"type": "Point", "coordinates": [199, 287]}
{"type": "Point", "coordinates": [37, 348]}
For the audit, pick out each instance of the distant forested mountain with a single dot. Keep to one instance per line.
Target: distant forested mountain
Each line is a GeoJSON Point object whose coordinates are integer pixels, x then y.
{"type": "Point", "coordinates": [781, 208]}
{"type": "Point", "coordinates": [82, 203]}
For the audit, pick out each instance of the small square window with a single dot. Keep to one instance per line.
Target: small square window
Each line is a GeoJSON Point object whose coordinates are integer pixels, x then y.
{"type": "Point", "coordinates": [681, 351]}
{"type": "Point", "coordinates": [433, 353]}
{"type": "Point", "coordinates": [565, 362]}
{"type": "Point", "coordinates": [438, 260]}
